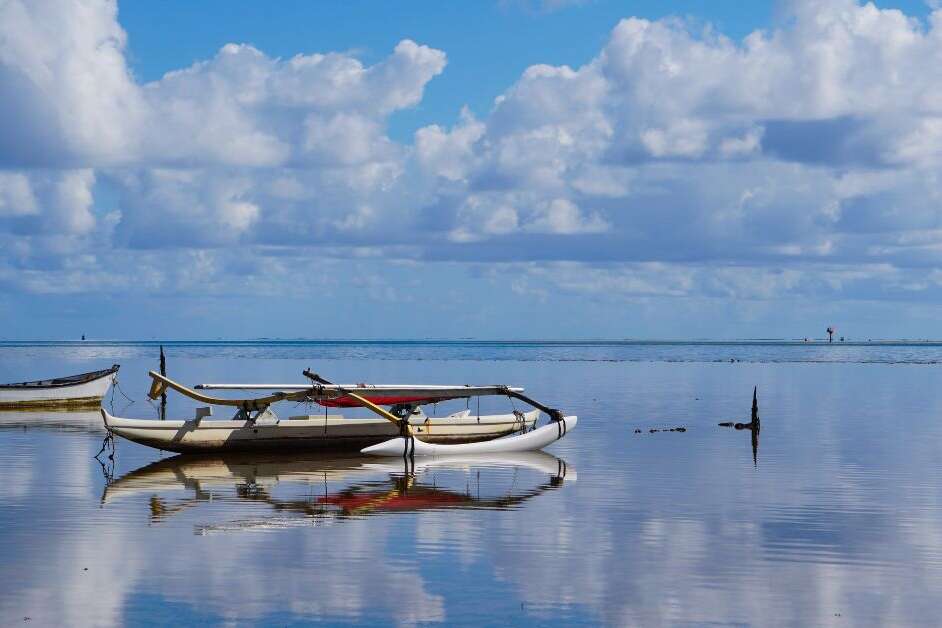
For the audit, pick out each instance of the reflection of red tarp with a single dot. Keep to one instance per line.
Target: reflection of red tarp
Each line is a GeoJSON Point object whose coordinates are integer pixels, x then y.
{"type": "Point", "coordinates": [408, 501]}
{"type": "Point", "coordinates": [349, 402]}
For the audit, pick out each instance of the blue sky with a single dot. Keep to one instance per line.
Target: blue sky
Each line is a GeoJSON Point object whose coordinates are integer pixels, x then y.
{"type": "Point", "coordinates": [489, 44]}
{"type": "Point", "coordinates": [495, 170]}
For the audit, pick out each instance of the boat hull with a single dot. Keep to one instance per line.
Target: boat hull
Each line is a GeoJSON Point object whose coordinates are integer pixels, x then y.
{"type": "Point", "coordinates": [331, 433]}
{"type": "Point", "coordinates": [86, 395]}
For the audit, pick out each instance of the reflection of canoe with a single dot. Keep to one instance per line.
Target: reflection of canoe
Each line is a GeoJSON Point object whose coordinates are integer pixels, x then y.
{"type": "Point", "coordinates": [208, 471]}
{"type": "Point", "coordinates": [74, 392]}
{"type": "Point", "coordinates": [364, 490]}
{"type": "Point", "coordinates": [205, 472]}
{"type": "Point", "coordinates": [311, 432]}
{"type": "Point", "coordinates": [81, 420]}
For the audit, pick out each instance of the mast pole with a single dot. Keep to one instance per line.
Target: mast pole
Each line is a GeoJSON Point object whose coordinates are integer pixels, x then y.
{"type": "Point", "coordinates": [163, 395]}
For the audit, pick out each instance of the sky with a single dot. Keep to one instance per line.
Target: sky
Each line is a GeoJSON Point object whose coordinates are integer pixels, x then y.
{"type": "Point", "coordinates": [507, 169]}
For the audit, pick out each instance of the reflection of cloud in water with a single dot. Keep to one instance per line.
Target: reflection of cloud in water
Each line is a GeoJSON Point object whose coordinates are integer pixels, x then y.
{"type": "Point", "coordinates": [17, 479]}
{"type": "Point", "coordinates": [342, 576]}
{"type": "Point", "coordinates": [676, 571]}
{"type": "Point", "coordinates": [841, 516]}
{"type": "Point", "coordinates": [47, 581]}
{"type": "Point", "coordinates": [729, 564]}
{"type": "Point", "coordinates": [349, 570]}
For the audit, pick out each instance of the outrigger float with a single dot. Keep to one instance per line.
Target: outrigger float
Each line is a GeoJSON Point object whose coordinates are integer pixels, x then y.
{"type": "Point", "coordinates": [402, 430]}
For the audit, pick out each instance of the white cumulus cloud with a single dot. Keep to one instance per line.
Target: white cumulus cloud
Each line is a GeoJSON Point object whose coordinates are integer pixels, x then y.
{"type": "Point", "coordinates": [814, 143]}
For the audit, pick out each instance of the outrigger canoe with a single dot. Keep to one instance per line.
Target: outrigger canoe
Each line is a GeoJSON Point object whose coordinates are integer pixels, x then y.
{"type": "Point", "coordinates": [73, 392]}
{"type": "Point", "coordinates": [403, 430]}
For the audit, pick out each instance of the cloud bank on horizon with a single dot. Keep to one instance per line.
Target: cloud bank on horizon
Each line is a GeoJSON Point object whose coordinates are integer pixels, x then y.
{"type": "Point", "coordinates": [802, 160]}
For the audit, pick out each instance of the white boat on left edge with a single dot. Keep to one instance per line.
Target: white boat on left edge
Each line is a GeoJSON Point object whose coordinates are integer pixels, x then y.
{"type": "Point", "coordinates": [72, 392]}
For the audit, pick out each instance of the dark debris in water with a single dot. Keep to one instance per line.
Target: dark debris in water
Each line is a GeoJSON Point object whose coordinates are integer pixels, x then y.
{"type": "Point", "coordinates": [738, 426]}
{"type": "Point", "coordinates": [655, 430]}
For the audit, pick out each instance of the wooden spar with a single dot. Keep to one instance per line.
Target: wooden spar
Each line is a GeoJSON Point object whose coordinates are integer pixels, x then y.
{"type": "Point", "coordinates": [162, 383]}
{"type": "Point", "coordinates": [403, 423]}
{"type": "Point", "coordinates": [252, 387]}
{"type": "Point", "coordinates": [389, 416]}
{"type": "Point", "coordinates": [315, 377]}
{"type": "Point", "coordinates": [553, 413]}
{"type": "Point", "coordinates": [432, 391]}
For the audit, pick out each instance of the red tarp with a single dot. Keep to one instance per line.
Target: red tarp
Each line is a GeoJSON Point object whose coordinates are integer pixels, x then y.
{"type": "Point", "coordinates": [349, 402]}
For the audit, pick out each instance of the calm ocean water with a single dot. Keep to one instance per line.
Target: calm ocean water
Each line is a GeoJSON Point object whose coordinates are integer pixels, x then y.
{"type": "Point", "coordinates": [836, 521]}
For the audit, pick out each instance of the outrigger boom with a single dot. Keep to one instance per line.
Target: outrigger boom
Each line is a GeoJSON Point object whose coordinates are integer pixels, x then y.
{"type": "Point", "coordinates": [465, 391]}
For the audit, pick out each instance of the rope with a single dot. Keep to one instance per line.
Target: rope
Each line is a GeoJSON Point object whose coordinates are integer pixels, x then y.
{"type": "Point", "coordinates": [107, 469]}
{"type": "Point", "coordinates": [116, 386]}
{"type": "Point", "coordinates": [120, 390]}
{"type": "Point", "coordinates": [519, 416]}
{"type": "Point", "coordinates": [106, 443]}
{"type": "Point", "coordinates": [561, 428]}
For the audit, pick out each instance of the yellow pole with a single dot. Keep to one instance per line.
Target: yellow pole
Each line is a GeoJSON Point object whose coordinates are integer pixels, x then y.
{"type": "Point", "coordinates": [389, 416]}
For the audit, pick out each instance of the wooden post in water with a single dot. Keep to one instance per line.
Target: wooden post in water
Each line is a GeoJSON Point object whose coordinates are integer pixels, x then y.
{"type": "Point", "coordinates": [753, 426]}
{"type": "Point", "coordinates": [756, 426]}
{"type": "Point", "coordinates": [163, 396]}
{"type": "Point", "coordinates": [755, 408]}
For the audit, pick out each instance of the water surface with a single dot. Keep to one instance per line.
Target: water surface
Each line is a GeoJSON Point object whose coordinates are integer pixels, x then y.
{"type": "Point", "coordinates": [838, 520]}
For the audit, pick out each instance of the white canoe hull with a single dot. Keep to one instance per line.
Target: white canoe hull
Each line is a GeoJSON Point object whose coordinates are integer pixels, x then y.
{"type": "Point", "coordinates": [329, 433]}
{"type": "Point", "coordinates": [531, 441]}
{"type": "Point", "coordinates": [83, 395]}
